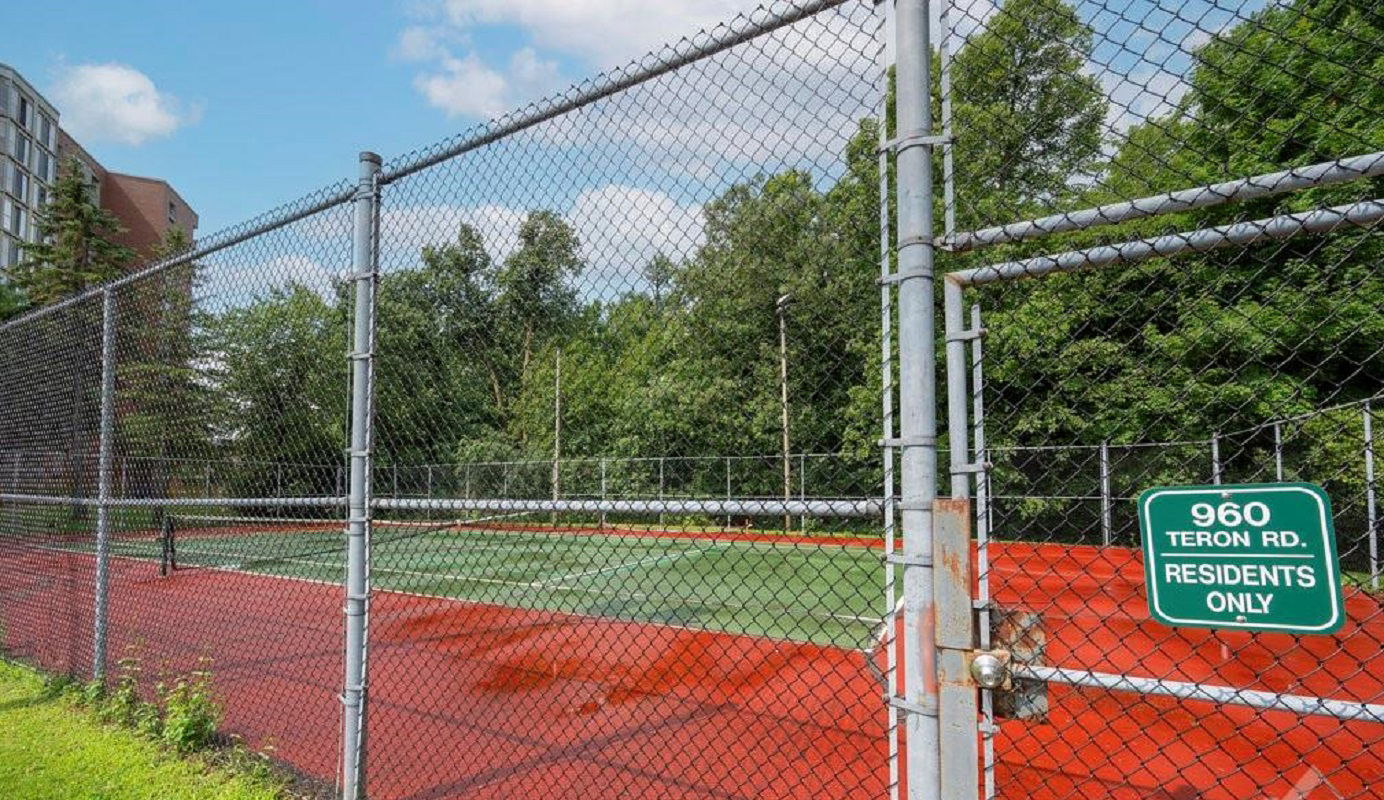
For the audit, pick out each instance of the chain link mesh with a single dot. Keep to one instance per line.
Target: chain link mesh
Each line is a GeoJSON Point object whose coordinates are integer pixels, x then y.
{"type": "Point", "coordinates": [628, 370]}
{"type": "Point", "coordinates": [1212, 355]}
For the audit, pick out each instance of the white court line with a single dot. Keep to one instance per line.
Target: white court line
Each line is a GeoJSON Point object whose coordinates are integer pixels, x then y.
{"type": "Point", "coordinates": [501, 581]}
{"type": "Point", "coordinates": [546, 584]}
{"type": "Point", "coordinates": [562, 579]}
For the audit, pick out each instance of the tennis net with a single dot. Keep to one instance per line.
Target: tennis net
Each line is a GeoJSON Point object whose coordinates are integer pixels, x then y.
{"type": "Point", "coordinates": [237, 542]}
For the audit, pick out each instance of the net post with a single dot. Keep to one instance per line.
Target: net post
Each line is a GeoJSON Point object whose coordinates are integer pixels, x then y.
{"type": "Point", "coordinates": [103, 487]}
{"type": "Point", "coordinates": [166, 562]}
{"type": "Point", "coordinates": [15, 488]}
{"type": "Point", "coordinates": [915, 247]}
{"type": "Point", "coordinates": [366, 279]}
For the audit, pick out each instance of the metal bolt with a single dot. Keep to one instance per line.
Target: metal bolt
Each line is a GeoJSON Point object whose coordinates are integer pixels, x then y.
{"type": "Point", "coordinates": [988, 671]}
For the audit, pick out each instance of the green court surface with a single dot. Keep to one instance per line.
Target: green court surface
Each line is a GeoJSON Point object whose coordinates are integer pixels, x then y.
{"type": "Point", "coordinates": [822, 592]}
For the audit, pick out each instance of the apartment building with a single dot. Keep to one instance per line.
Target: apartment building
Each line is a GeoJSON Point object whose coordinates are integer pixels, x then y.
{"type": "Point", "coordinates": [29, 141]}
{"type": "Point", "coordinates": [32, 147]}
{"type": "Point", "coordinates": [146, 207]}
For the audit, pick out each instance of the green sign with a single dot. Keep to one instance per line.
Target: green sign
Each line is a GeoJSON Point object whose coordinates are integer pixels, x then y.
{"type": "Point", "coordinates": [1258, 557]}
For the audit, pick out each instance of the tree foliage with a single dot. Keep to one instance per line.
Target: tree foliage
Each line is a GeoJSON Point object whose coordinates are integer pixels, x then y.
{"type": "Point", "coordinates": [74, 248]}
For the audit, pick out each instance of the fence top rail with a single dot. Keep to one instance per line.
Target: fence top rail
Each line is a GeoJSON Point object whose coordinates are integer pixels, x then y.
{"type": "Point", "coordinates": [1262, 426]}
{"type": "Point", "coordinates": [1324, 174]}
{"type": "Point", "coordinates": [1283, 226]}
{"type": "Point", "coordinates": [742, 28]}
{"type": "Point", "coordinates": [283, 216]}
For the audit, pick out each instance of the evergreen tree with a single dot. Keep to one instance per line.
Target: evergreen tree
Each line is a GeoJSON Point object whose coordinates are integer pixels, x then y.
{"type": "Point", "coordinates": [74, 250]}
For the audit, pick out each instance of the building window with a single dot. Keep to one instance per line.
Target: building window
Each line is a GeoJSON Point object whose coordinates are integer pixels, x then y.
{"type": "Point", "coordinates": [40, 196]}
{"type": "Point", "coordinates": [19, 184]}
{"type": "Point", "coordinates": [26, 112]}
{"type": "Point", "coordinates": [12, 254]}
{"type": "Point", "coordinates": [43, 164]}
{"type": "Point", "coordinates": [17, 221]}
{"type": "Point", "coordinates": [21, 149]}
{"type": "Point", "coordinates": [172, 213]}
{"type": "Point", "coordinates": [5, 214]}
{"type": "Point", "coordinates": [46, 131]}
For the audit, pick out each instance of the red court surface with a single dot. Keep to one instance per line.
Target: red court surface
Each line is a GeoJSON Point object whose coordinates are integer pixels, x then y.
{"type": "Point", "coordinates": [470, 700]}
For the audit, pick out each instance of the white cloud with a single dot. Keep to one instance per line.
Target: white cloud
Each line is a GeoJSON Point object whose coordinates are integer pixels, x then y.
{"type": "Point", "coordinates": [408, 229]}
{"type": "Point", "coordinates": [622, 228]}
{"type": "Point", "coordinates": [596, 33]}
{"type": "Point", "coordinates": [602, 33]}
{"type": "Point", "coordinates": [467, 86]}
{"type": "Point", "coordinates": [116, 102]}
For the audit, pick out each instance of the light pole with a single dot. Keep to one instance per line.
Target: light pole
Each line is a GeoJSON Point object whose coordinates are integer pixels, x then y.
{"type": "Point", "coordinates": [781, 308]}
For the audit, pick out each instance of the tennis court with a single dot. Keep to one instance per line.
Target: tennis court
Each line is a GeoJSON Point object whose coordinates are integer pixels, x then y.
{"type": "Point", "coordinates": [823, 590]}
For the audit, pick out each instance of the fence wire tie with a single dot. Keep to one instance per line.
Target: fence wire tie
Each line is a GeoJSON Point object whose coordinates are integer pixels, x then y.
{"type": "Point", "coordinates": [914, 139]}
{"type": "Point", "coordinates": [908, 441]}
{"type": "Point", "coordinates": [922, 560]}
{"type": "Point", "coordinates": [926, 708]}
{"type": "Point", "coordinates": [968, 335]}
{"type": "Point", "coordinates": [971, 468]}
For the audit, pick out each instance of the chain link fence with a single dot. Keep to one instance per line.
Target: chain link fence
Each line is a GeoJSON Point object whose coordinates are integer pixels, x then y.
{"type": "Point", "coordinates": [1162, 270]}
{"type": "Point", "coordinates": [597, 393]}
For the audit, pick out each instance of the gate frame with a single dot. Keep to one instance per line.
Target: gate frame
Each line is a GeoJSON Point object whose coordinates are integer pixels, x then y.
{"type": "Point", "coordinates": [959, 380]}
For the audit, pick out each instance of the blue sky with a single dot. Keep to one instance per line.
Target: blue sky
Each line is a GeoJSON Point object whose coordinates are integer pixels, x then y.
{"type": "Point", "coordinates": [246, 105]}
{"type": "Point", "coordinates": [258, 102]}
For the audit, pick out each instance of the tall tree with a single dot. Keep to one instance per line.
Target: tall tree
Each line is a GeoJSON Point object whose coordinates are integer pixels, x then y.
{"type": "Point", "coordinates": [537, 296]}
{"type": "Point", "coordinates": [75, 248]}
{"type": "Point", "coordinates": [1028, 117]}
{"type": "Point", "coordinates": [162, 419]}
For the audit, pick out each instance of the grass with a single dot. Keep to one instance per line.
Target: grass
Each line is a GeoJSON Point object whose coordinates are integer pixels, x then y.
{"type": "Point", "coordinates": [824, 593]}
{"type": "Point", "coordinates": [52, 747]}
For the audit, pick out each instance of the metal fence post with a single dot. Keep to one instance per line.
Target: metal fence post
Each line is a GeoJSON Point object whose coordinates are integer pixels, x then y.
{"type": "Point", "coordinates": [957, 708]}
{"type": "Point", "coordinates": [366, 277]}
{"type": "Point", "coordinates": [1278, 451]}
{"type": "Point", "coordinates": [728, 488]}
{"type": "Point", "coordinates": [802, 489]}
{"type": "Point", "coordinates": [982, 536]}
{"type": "Point", "coordinates": [603, 492]}
{"type": "Point", "coordinates": [103, 486]}
{"type": "Point", "coordinates": [660, 488]}
{"type": "Point", "coordinates": [1105, 526]}
{"type": "Point", "coordinates": [917, 392]}
{"type": "Point", "coordinates": [1371, 514]}
{"type": "Point", "coordinates": [1216, 458]}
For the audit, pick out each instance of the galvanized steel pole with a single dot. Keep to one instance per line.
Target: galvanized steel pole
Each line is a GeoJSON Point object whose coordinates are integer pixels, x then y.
{"type": "Point", "coordinates": [1278, 451]}
{"type": "Point", "coordinates": [781, 308]}
{"type": "Point", "coordinates": [1371, 515]}
{"type": "Point", "coordinates": [1216, 458]}
{"type": "Point", "coordinates": [103, 486]}
{"type": "Point", "coordinates": [358, 512]}
{"type": "Point", "coordinates": [917, 391]}
{"type": "Point", "coordinates": [1105, 526]}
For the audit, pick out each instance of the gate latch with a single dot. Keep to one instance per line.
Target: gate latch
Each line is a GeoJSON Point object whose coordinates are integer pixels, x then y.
{"type": "Point", "coordinates": [990, 669]}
